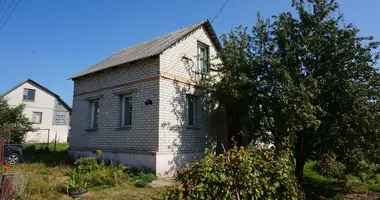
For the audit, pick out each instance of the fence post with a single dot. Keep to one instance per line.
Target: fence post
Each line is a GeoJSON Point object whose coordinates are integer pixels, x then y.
{"type": "Point", "coordinates": [55, 141]}
{"type": "Point", "coordinates": [48, 138]}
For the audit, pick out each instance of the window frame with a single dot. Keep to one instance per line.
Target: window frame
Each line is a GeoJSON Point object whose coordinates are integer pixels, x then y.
{"type": "Point", "coordinates": [33, 119]}
{"type": "Point", "coordinates": [203, 65]}
{"type": "Point", "coordinates": [92, 122]}
{"type": "Point", "coordinates": [123, 123]}
{"type": "Point", "coordinates": [25, 97]}
{"type": "Point", "coordinates": [64, 120]}
{"type": "Point", "coordinates": [190, 98]}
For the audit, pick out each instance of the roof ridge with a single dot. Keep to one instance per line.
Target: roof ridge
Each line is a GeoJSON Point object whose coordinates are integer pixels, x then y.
{"type": "Point", "coordinates": [167, 34]}
{"type": "Point", "coordinates": [29, 80]}
{"type": "Point", "coordinates": [148, 48]}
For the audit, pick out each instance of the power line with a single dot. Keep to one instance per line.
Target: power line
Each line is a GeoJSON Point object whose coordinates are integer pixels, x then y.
{"type": "Point", "coordinates": [14, 8]}
{"type": "Point", "coordinates": [10, 5]}
{"type": "Point", "coordinates": [5, 2]}
{"type": "Point", "coordinates": [221, 9]}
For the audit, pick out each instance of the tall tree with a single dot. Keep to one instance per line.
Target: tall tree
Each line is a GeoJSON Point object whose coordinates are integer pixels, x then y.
{"type": "Point", "coordinates": [13, 123]}
{"type": "Point", "coordinates": [306, 82]}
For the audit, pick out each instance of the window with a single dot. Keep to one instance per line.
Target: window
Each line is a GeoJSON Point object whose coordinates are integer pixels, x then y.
{"type": "Point", "coordinates": [60, 119]}
{"type": "Point", "coordinates": [126, 111]}
{"type": "Point", "coordinates": [29, 94]}
{"type": "Point", "coordinates": [190, 111]}
{"type": "Point", "coordinates": [203, 57]}
{"type": "Point", "coordinates": [37, 117]}
{"type": "Point", "coordinates": [94, 114]}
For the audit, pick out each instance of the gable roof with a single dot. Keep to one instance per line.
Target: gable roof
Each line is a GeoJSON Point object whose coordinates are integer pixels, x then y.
{"type": "Point", "coordinates": [149, 48]}
{"type": "Point", "coordinates": [42, 88]}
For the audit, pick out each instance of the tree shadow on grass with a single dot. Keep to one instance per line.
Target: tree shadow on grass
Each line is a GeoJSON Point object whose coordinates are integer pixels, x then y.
{"type": "Point", "coordinates": [37, 154]}
{"type": "Point", "coordinates": [321, 190]}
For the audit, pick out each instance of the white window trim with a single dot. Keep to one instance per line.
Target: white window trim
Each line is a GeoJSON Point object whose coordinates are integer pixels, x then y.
{"type": "Point", "coordinates": [202, 62]}
{"type": "Point", "coordinates": [187, 111]}
{"type": "Point", "coordinates": [93, 113]}
{"type": "Point", "coordinates": [33, 118]}
{"type": "Point", "coordinates": [27, 92]}
{"type": "Point", "coordinates": [60, 124]}
{"type": "Point", "coordinates": [123, 111]}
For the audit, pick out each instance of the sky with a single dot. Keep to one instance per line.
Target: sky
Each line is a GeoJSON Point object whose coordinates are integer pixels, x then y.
{"type": "Point", "coordinates": [49, 41]}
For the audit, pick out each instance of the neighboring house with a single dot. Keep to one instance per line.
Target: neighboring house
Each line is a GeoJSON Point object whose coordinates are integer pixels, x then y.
{"type": "Point", "coordinates": [142, 105]}
{"type": "Point", "coordinates": [49, 113]}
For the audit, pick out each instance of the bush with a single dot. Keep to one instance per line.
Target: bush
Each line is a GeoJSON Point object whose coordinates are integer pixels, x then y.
{"type": "Point", "coordinates": [99, 174]}
{"type": "Point", "coordinates": [107, 176]}
{"type": "Point", "coordinates": [329, 166]}
{"type": "Point", "coordinates": [85, 165]}
{"type": "Point", "coordinates": [142, 179]}
{"type": "Point", "coordinates": [76, 182]}
{"type": "Point", "coordinates": [251, 173]}
{"type": "Point", "coordinates": [355, 162]}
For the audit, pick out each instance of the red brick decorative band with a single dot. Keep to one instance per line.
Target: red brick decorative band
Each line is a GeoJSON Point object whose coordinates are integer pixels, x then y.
{"type": "Point", "coordinates": [163, 76]}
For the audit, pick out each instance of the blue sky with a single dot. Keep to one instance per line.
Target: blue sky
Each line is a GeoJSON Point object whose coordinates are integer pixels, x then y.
{"type": "Point", "coordinates": [49, 41]}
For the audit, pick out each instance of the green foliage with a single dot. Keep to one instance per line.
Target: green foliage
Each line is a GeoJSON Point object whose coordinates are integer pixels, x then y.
{"type": "Point", "coordinates": [330, 167]}
{"type": "Point", "coordinates": [107, 176]}
{"type": "Point", "coordinates": [97, 173]}
{"type": "Point", "coordinates": [142, 179]}
{"type": "Point", "coordinates": [356, 162]}
{"type": "Point", "coordinates": [310, 80]}
{"type": "Point", "coordinates": [13, 118]}
{"type": "Point", "coordinates": [251, 173]}
{"type": "Point", "coordinates": [76, 182]}
{"type": "Point", "coordinates": [89, 164]}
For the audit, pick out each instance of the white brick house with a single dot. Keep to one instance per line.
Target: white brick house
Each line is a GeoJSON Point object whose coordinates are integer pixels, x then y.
{"type": "Point", "coordinates": [49, 113]}
{"type": "Point", "coordinates": [142, 106]}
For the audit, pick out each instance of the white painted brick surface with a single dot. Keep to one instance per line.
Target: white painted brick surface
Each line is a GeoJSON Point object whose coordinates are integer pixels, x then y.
{"type": "Point", "coordinates": [143, 135]}
{"type": "Point", "coordinates": [174, 136]}
{"type": "Point", "coordinates": [158, 129]}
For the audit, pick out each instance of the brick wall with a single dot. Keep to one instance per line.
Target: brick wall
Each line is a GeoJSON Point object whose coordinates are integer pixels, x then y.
{"type": "Point", "coordinates": [174, 136]}
{"type": "Point", "coordinates": [158, 128]}
{"type": "Point", "coordinates": [142, 137]}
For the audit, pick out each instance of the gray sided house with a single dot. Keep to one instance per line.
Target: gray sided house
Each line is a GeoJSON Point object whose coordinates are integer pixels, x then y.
{"type": "Point", "coordinates": [142, 105]}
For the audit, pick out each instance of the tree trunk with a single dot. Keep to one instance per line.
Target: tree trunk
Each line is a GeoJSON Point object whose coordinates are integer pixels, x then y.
{"type": "Point", "coordinates": [300, 164]}
{"type": "Point", "coordinates": [300, 158]}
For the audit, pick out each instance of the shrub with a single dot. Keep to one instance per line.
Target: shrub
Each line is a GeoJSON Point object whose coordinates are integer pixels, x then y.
{"type": "Point", "coordinates": [251, 173]}
{"type": "Point", "coordinates": [142, 179]}
{"type": "Point", "coordinates": [112, 175]}
{"type": "Point", "coordinates": [330, 167]}
{"type": "Point", "coordinates": [99, 174]}
{"type": "Point", "coordinates": [356, 162]}
{"type": "Point", "coordinates": [76, 182]}
{"type": "Point", "coordinates": [85, 165]}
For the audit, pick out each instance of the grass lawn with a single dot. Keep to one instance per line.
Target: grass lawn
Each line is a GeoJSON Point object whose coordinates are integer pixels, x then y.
{"type": "Point", "coordinates": [45, 175]}
{"type": "Point", "coordinates": [317, 186]}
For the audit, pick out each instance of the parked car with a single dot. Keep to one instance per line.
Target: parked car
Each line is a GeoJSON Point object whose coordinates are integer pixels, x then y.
{"type": "Point", "coordinates": [12, 154]}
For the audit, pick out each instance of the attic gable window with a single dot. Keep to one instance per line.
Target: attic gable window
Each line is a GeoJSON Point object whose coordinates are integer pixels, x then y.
{"type": "Point", "coordinates": [203, 57]}
{"type": "Point", "coordinates": [29, 94]}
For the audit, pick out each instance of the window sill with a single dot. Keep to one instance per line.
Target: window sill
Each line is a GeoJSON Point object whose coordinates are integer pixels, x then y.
{"type": "Point", "coordinates": [28, 100]}
{"type": "Point", "coordinates": [192, 128]}
{"type": "Point", "coordinates": [91, 129]}
{"type": "Point", "coordinates": [124, 128]}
